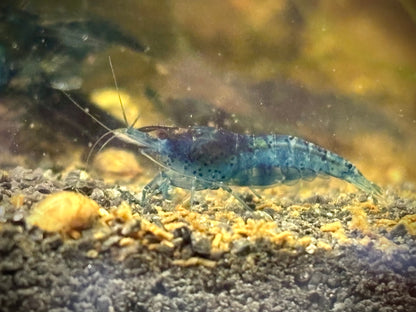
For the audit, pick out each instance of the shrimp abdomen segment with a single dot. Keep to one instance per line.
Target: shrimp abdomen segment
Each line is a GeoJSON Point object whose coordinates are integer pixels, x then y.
{"type": "Point", "coordinates": [275, 159]}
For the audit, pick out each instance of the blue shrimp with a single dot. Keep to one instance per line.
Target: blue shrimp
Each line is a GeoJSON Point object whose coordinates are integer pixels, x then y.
{"type": "Point", "coordinates": [199, 157]}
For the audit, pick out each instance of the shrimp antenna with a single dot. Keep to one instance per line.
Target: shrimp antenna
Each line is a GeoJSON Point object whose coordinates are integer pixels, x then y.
{"type": "Point", "coordinates": [118, 91]}
{"type": "Point", "coordinates": [135, 120]}
{"type": "Point", "coordinates": [102, 146]}
{"type": "Point", "coordinates": [86, 111]}
{"type": "Point", "coordinates": [96, 144]}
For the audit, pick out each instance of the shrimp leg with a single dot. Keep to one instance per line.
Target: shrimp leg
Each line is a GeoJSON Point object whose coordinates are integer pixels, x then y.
{"type": "Point", "coordinates": [255, 192]}
{"type": "Point", "coordinates": [168, 178]}
{"type": "Point", "coordinates": [236, 196]}
{"type": "Point", "coordinates": [159, 184]}
{"type": "Point", "coordinates": [165, 179]}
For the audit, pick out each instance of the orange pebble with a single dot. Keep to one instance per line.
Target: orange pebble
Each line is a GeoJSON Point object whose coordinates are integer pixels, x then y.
{"type": "Point", "coordinates": [64, 212]}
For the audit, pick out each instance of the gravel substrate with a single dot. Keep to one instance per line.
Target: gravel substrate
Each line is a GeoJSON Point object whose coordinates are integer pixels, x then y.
{"type": "Point", "coordinates": [42, 271]}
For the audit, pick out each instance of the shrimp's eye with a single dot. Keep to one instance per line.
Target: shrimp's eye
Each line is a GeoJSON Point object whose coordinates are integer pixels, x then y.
{"type": "Point", "coordinates": [161, 134]}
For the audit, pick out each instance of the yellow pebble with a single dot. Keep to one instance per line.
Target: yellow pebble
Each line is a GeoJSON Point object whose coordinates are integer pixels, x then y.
{"type": "Point", "coordinates": [117, 164]}
{"type": "Point", "coordinates": [323, 245]}
{"type": "Point", "coordinates": [123, 212]}
{"type": "Point", "coordinates": [17, 200]}
{"type": "Point", "coordinates": [155, 230]}
{"type": "Point", "coordinates": [193, 261]}
{"type": "Point", "coordinates": [92, 253]}
{"type": "Point", "coordinates": [126, 241]}
{"type": "Point", "coordinates": [74, 234]}
{"type": "Point", "coordinates": [103, 213]}
{"type": "Point", "coordinates": [359, 220]}
{"type": "Point", "coordinates": [331, 227]}
{"type": "Point", "coordinates": [99, 235]}
{"type": "Point", "coordinates": [64, 212]}
{"type": "Point", "coordinates": [305, 241]}
{"type": "Point", "coordinates": [337, 231]}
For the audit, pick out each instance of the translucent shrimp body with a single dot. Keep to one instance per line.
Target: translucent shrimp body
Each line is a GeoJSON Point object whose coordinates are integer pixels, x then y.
{"type": "Point", "coordinates": [201, 157]}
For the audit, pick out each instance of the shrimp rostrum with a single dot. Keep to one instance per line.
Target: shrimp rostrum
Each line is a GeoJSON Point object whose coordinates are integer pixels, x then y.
{"type": "Point", "coordinates": [200, 157]}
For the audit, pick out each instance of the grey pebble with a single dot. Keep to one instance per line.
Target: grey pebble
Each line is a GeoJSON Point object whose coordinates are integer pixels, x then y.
{"type": "Point", "coordinates": [18, 216]}
{"type": "Point", "coordinates": [316, 278]}
{"type": "Point", "coordinates": [111, 241]}
{"type": "Point", "coordinates": [200, 244]}
{"type": "Point", "coordinates": [52, 242]}
{"type": "Point", "coordinates": [241, 247]}
{"type": "Point", "coordinates": [97, 194]}
{"type": "Point", "coordinates": [399, 230]}
{"type": "Point", "coordinates": [130, 227]}
{"type": "Point", "coordinates": [302, 278]}
{"type": "Point", "coordinates": [11, 266]}
{"type": "Point", "coordinates": [104, 304]}
{"type": "Point", "coordinates": [6, 245]}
